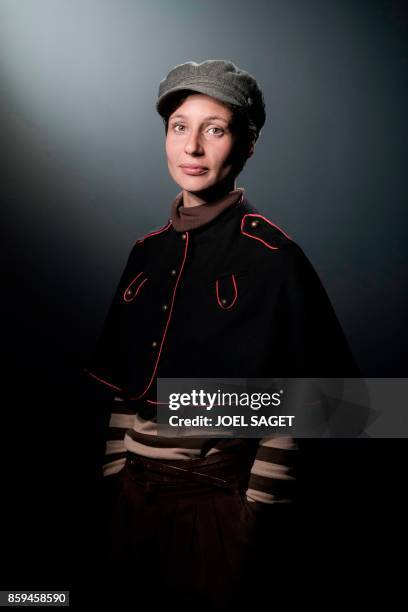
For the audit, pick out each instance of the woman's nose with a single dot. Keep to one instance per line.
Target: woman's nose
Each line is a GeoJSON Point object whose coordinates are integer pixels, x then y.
{"type": "Point", "coordinates": [193, 144]}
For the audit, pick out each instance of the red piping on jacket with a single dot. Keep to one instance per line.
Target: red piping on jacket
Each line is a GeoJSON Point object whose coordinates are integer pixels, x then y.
{"type": "Point", "coordinates": [102, 381]}
{"type": "Point", "coordinates": [168, 319]}
{"type": "Point", "coordinates": [137, 290]}
{"type": "Point", "coordinates": [163, 229]}
{"type": "Point", "coordinates": [235, 294]}
{"type": "Point", "coordinates": [260, 239]}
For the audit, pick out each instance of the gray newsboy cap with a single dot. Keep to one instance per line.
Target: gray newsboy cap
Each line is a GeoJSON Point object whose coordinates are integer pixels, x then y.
{"type": "Point", "coordinates": [220, 79]}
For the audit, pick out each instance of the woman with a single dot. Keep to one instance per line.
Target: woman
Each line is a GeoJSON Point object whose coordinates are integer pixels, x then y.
{"type": "Point", "coordinates": [219, 291]}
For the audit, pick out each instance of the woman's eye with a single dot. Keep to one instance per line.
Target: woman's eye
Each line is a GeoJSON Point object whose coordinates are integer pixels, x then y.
{"type": "Point", "coordinates": [177, 125]}
{"type": "Point", "coordinates": [217, 128]}
{"type": "Point", "coordinates": [180, 128]}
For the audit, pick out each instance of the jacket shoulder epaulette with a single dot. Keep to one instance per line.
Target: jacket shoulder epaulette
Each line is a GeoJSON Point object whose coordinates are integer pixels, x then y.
{"type": "Point", "coordinates": [258, 227]}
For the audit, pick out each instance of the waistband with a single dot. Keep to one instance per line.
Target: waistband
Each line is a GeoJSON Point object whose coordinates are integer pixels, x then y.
{"type": "Point", "coordinates": [223, 470]}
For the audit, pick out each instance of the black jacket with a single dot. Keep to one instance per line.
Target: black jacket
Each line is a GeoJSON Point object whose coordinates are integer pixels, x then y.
{"type": "Point", "coordinates": [234, 298]}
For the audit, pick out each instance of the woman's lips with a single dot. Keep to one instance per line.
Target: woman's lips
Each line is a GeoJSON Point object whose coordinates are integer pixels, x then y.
{"type": "Point", "coordinates": [194, 171]}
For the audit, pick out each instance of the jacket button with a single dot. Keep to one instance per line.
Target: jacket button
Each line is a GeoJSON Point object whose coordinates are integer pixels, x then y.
{"type": "Point", "coordinates": [129, 292]}
{"type": "Point", "coordinates": [173, 272]}
{"type": "Point", "coordinates": [254, 223]}
{"type": "Point", "coordinates": [164, 307]}
{"type": "Point", "coordinates": [223, 301]}
{"type": "Point", "coordinates": [183, 236]}
{"type": "Point", "coordinates": [154, 344]}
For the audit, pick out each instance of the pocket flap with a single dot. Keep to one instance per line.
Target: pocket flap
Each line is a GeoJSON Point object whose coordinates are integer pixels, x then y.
{"type": "Point", "coordinates": [132, 290]}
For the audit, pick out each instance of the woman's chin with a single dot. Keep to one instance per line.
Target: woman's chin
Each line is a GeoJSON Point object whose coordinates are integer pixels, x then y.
{"type": "Point", "coordinates": [195, 183]}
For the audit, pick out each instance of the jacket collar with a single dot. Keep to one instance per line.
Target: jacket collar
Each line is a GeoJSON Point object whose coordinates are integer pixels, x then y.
{"type": "Point", "coordinates": [226, 223]}
{"type": "Point", "coordinates": [193, 217]}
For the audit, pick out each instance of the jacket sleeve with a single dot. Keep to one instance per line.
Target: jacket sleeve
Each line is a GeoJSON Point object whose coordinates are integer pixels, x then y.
{"type": "Point", "coordinates": [311, 343]}
{"type": "Point", "coordinates": [310, 339]}
{"type": "Point", "coordinates": [102, 361]}
{"type": "Point", "coordinates": [110, 418]}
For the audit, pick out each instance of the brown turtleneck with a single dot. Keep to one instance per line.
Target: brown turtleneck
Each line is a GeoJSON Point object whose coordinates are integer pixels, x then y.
{"type": "Point", "coordinates": [185, 218]}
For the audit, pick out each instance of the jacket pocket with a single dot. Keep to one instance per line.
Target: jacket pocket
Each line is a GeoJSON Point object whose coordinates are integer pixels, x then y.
{"type": "Point", "coordinates": [132, 290]}
{"type": "Point", "coordinates": [226, 289]}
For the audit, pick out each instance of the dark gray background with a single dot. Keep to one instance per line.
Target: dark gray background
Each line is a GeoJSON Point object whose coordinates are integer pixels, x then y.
{"type": "Point", "coordinates": [84, 175]}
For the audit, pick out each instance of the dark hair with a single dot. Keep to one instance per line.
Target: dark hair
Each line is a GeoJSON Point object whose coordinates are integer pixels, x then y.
{"type": "Point", "coordinates": [241, 125]}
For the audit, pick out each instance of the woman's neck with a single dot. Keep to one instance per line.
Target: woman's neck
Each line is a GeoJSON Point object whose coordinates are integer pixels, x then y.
{"type": "Point", "coordinates": [208, 195]}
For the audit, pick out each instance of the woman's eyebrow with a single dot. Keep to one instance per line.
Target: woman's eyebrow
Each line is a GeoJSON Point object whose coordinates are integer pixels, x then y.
{"type": "Point", "coordinates": [210, 118]}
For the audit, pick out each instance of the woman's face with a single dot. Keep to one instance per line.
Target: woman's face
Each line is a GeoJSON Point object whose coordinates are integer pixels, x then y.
{"type": "Point", "coordinates": [199, 143]}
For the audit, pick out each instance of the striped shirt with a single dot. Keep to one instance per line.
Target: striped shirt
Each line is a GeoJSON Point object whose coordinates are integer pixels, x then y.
{"type": "Point", "coordinates": [271, 477]}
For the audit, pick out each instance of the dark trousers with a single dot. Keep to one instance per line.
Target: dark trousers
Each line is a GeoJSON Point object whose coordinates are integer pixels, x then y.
{"type": "Point", "coordinates": [178, 542]}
